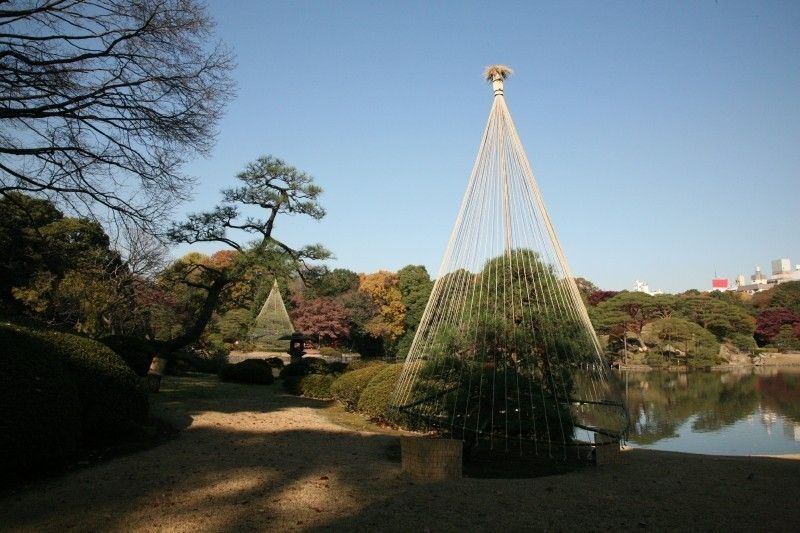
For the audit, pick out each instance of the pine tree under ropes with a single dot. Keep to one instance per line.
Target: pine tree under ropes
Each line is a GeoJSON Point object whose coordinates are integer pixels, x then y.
{"type": "Point", "coordinates": [505, 355]}
{"type": "Point", "coordinates": [272, 324]}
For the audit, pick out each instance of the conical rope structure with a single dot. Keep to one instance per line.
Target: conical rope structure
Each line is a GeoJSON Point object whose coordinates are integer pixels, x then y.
{"type": "Point", "coordinates": [272, 324]}
{"type": "Point", "coordinates": [505, 354]}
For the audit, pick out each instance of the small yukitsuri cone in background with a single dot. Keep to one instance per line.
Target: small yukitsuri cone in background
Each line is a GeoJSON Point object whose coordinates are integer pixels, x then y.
{"type": "Point", "coordinates": [505, 357]}
{"type": "Point", "coordinates": [272, 326]}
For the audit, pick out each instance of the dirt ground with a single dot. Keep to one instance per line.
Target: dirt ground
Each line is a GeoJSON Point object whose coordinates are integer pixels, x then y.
{"type": "Point", "coordinates": [252, 458]}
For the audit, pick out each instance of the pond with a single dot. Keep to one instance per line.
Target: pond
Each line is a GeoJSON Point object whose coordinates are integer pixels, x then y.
{"type": "Point", "coordinates": [737, 412]}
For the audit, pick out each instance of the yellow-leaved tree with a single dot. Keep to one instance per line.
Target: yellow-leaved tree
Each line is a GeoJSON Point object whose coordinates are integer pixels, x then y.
{"type": "Point", "coordinates": [382, 287]}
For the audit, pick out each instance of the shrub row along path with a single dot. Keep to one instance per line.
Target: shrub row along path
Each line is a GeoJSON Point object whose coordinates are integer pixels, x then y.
{"type": "Point", "coordinates": [251, 457]}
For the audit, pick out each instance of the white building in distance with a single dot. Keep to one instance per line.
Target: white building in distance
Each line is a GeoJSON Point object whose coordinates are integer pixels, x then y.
{"type": "Point", "coordinates": [781, 273]}
{"type": "Point", "coordinates": [642, 286]}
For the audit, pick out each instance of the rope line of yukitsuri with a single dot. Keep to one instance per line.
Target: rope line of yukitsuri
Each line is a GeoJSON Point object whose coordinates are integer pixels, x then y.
{"type": "Point", "coordinates": [503, 219]}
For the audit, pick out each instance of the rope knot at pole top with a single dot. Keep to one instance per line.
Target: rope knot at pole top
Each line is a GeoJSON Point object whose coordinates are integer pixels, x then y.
{"type": "Point", "coordinates": [496, 74]}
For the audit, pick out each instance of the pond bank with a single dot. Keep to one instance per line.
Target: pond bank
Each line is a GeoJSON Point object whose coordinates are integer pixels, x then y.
{"type": "Point", "coordinates": [251, 457]}
{"type": "Point", "coordinates": [764, 359]}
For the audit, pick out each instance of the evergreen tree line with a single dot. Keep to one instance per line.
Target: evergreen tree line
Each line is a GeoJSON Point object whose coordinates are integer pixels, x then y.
{"type": "Point", "coordinates": [66, 272]}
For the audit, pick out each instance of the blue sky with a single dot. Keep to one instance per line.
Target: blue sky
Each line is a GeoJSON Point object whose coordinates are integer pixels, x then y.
{"type": "Point", "coordinates": [665, 135]}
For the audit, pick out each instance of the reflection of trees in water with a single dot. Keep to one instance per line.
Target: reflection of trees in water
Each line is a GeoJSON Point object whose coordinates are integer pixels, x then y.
{"type": "Point", "coordinates": [659, 402]}
{"type": "Point", "coordinates": [781, 393]}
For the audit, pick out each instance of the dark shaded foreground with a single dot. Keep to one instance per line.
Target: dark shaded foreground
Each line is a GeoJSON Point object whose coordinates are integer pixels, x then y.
{"type": "Point", "coordinates": [252, 458]}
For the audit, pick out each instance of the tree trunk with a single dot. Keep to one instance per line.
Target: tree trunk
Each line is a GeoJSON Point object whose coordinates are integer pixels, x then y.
{"type": "Point", "coordinates": [165, 350]}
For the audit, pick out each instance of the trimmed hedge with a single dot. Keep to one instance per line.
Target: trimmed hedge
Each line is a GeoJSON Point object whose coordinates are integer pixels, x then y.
{"type": "Point", "coordinates": [348, 387]}
{"type": "Point", "coordinates": [40, 410]}
{"type": "Point", "coordinates": [256, 371]}
{"type": "Point", "coordinates": [374, 400]}
{"type": "Point", "coordinates": [59, 391]}
{"type": "Point", "coordinates": [113, 402]}
{"type": "Point", "coordinates": [316, 386]}
{"type": "Point", "coordinates": [137, 353]}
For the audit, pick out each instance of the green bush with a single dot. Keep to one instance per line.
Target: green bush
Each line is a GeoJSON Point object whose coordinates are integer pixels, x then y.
{"type": "Point", "coordinates": [316, 386]}
{"type": "Point", "coordinates": [137, 353]}
{"type": "Point", "coordinates": [329, 351]}
{"type": "Point", "coordinates": [746, 343]}
{"type": "Point", "coordinates": [207, 355]}
{"type": "Point", "coordinates": [304, 367]}
{"type": "Point", "coordinates": [274, 362]}
{"type": "Point", "coordinates": [337, 367]}
{"type": "Point", "coordinates": [113, 402]}
{"type": "Point", "coordinates": [785, 340]}
{"type": "Point", "coordinates": [348, 387]}
{"type": "Point", "coordinates": [363, 363]}
{"type": "Point", "coordinates": [374, 400]}
{"type": "Point", "coordinates": [40, 409]}
{"type": "Point", "coordinates": [316, 365]}
{"type": "Point", "coordinates": [656, 359]}
{"type": "Point", "coordinates": [699, 345]}
{"type": "Point", "coordinates": [255, 371]}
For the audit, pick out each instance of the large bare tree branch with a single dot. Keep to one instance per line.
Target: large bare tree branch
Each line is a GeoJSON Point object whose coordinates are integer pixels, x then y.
{"type": "Point", "coordinates": [102, 101]}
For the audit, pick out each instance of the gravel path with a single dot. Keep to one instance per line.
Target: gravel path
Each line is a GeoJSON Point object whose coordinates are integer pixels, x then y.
{"type": "Point", "coordinates": [251, 458]}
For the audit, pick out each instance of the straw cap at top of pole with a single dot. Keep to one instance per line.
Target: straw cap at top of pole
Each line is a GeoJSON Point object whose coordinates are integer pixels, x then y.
{"type": "Point", "coordinates": [496, 74]}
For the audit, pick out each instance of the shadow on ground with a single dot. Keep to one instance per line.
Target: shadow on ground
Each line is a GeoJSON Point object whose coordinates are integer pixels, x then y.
{"type": "Point", "coordinates": [251, 458]}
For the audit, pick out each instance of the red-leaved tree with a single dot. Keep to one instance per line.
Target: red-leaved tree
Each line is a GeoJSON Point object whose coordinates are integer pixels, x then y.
{"type": "Point", "coordinates": [598, 297]}
{"type": "Point", "coordinates": [322, 317]}
{"type": "Point", "coordinates": [770, 321]}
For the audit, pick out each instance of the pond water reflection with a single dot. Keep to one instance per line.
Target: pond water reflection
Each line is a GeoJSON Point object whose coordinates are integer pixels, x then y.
{"type": "Point", "coordinates": [738, 412]}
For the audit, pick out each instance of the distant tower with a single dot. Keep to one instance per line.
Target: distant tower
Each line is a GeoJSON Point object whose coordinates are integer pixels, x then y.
{"type": "Point", "coordinates": [758, 276]}
{"type": "Point", "coordinates": [781, 266]}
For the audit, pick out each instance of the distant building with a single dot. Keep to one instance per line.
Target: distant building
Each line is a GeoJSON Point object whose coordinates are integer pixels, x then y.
{"type": "Point", "coordinates": [781, 273]}
{"type": "Point", "coordinates": [642, 286]}
{"type": "Point", "coordinates": [719, 284]}
{"type": "Point", "coordinates": [758, 276]}
{"type": "Point", "coordinates": [781, 266]}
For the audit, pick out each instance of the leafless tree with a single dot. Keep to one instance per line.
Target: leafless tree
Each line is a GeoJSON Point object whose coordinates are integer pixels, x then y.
{"type": "Point", "coordinates": [102, 101]}
{"type": "Point", "coordinates": [143, 254]}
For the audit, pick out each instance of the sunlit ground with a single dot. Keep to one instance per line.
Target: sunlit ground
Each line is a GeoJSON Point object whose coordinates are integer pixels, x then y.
{"type": "Point", "coordinates": [251, 457]}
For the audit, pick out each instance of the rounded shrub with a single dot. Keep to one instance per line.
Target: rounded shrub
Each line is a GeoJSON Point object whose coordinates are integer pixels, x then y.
{"type": "Point", "coordinates": [316, 386]}
{"type": "Point", "coordinates": [337, 367]}
{"type": "Point", "coordinates": [304, 367]}
{"type": "Point", "coordinates": [40, 411]}
{"type": "Point", "coordinates": [329, 351]}
{"type": "Point", "coordinates": [274, 362]}
{"type": "Point", "coordinates": [363, 363]}
{"type": "Point", "coordinates": [316, 365]}
{"type": "Point", "coordinates": [113, 402]}
{"type": "Point", "coordinates": [347, 388]}
{"type": "Point", "coordinates": [255, 371]}
{"type": "Point", "coordinates": [745, 343]}
{"type": "Point", "coordinates": [137, 353]}
{"type": "Point", "coordinates": [374, 400]}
